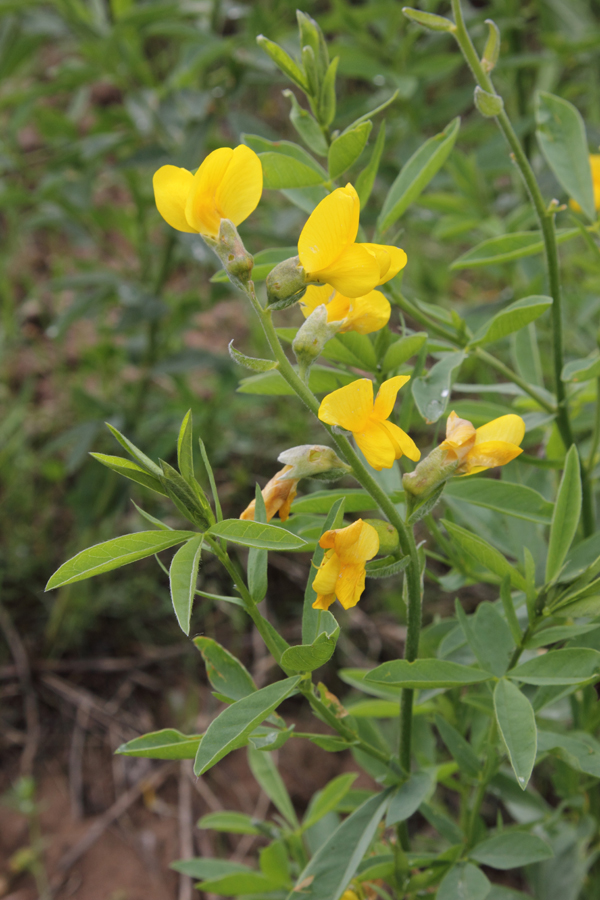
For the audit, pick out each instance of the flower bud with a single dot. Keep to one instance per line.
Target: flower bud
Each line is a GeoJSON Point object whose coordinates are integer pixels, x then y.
{"type": "Point", "coordinates": [285, 284]}
{"type": "Point", "coordinates": [313, 461]}
{"type": "Point", "coordinates": [311, 338]}
{"type": "Point", "coordinates": [429, 20]}
{"type": "Point", "coordinates": [388, 536]}
{"type": "Point", "coordinates": [236, 260]}
{"type": "Point", "coordinates": [430, 472]}
{"type": "Point", "coordinates": [489, 105]}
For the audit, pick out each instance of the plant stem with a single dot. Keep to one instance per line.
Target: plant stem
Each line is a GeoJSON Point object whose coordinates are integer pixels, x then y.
{"type": "Point", "coordinates": [364, 477]}
{"type": "Point", "coordinates": [546, 219]}
{"type": "Point", "coordinates": [596, 432]}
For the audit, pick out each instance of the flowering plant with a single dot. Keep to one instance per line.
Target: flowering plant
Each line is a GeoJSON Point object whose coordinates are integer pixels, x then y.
{"type": "Point", "coordinates": [457, 722]}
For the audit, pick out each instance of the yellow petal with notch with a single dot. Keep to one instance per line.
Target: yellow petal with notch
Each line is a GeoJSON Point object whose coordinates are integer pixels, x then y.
{"type": "Point", "coordinates": [508, 428]}
{"type": "Point", "coordinates": [240, 189]}
{"type": "Point", "coordinates": [330, 229]}
{"type": "Point", "coordinates": [354, 273]}
{"type": "Point", "coordinates": [349, 406]}
{"type": "Point", "coordinates": [386, 396]}
{"type": "Point", "coordinates": [201, 208]}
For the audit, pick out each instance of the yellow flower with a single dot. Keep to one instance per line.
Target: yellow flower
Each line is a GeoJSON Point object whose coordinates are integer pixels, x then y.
{"type": "Point", "coordinates": [228, 185]}
{"type": "Point", "coordinates": [352, 408]}
{"type": "Point", "coordinates": [595, 166]}
{"type": "Point", "coordinates": [278, 495]}
{"type": "Point", "coordinates": [361, 314]}
{"type": "Point", "coordinates": [349, 895]}
{"type": "Point", "coordinates": [342, 571]}
{"type": "Point", "coordinates": [476, 449]}
{"type": "Point", "coordinates": [329, 254]}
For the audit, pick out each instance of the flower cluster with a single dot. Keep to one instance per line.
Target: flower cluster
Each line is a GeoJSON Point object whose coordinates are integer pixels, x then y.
{"type": "Point", "coordinates": [335, 279]}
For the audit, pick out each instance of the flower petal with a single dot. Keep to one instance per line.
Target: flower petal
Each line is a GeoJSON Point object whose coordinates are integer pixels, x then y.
{"type": "Point", "coordinates": [240, 189]}
{"type": "Point", "coordinates": [391, 260]}
{"type": "Point", "coordinates": [509, 428]}
{"type": "Point", "coordinates": [349, 407]}
{"type": "Point", "coordinates": [386, 396]}
{"type": "Point", "coordinates": [201, 209]}
{"type": "Point", "coordinates": [403, 443]}
{"type": "Point", "coordinates": [171, 188]}
{"type": "Point", "coordinates": [331, 228]}
{"type": "Point", "coordinates": [315, 295]}
{"type": "Point", "coordinates": [376, 444]}
{"type": "Point", "coordinates": [354, 273]}
{"type": "Point", "coordinates": [323, 601]}
{"type": "Point", "coordinates": [357, 543]}
{"type": "Point", "coordinates": [351, 584]}
{"type": "Point", "coordinates": [326, 578]}
{"type": "Point", "coordinates": [363, 314]}
{"type": "Point", "coordinates": [488, 454]}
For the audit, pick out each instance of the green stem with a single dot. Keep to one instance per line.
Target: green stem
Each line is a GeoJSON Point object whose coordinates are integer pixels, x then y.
{"type": "Point", "coordinates": [546, 219]}
{"type": "Point", "coordinates": [484, 779]}
{"type": "Point", "coordinates": [364, 477]}
{"type": "Point", "coordinates": [504, 370]}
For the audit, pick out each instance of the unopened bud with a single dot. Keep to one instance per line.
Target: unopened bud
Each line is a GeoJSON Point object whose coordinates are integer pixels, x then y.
{"type": "Point", "coordinates": [430, 472]}
{"type": "Point", "coordinates": [388, 536]}
{"type": "Point", "coordinates": [492, 47]}
{"type": "Point", "coordinates": [489, 105]}
{"type": "Point", "coordinates": [429, 20]}
{"type": "Point", "coordinates": [311, 338]}
{"type": "Point", "coordinates": [236, 260]}
{"type": "Point", "coordinates": [285, 284]}
{"type": "Point", "coordinates": [313, 461]}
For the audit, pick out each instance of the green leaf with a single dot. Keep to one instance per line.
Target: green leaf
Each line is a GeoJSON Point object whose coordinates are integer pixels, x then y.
{"type": "Point", "coordinates": [267, 775]}
{"type": "Point", "coordinates": [416, 174]}
{"type": "Point", "coordinates": [579, 750]}
{"type": "Point", "coordinates": [250, 362]}
{"type": "Point", "coordinates": [401, 351]}
{"type": "Point", "coordinates": [283, 61]}
{"type": "Point", "coordinates": [562, 139]}
{"type": "Point", "coordinates": [559, 667]}
{"type": "Point", "coordinates": [327, 98]}
{"type": "Point", "coordinates": [502, 496]}
{"type": "Point", "coordinates": [346, 149]}
{"type": "Point", "coordinates": [232, 728]}
{"type": "Point", "coordinates": [386, 567]}
{"type": "Point", "coordinates": [557, 633]}
{"type": "Point", "coordinates": [308, 657]}
{"type": "Point", "coordinates": [230, 822]}
{"type": "Point", "coordinates": [185, 452]}
{"type": "Point", "coordinates": [516, 721]}
{"type": "Point", "coordinates": [268, 739]}
{"type": "Point", "coordinates": [353, 349]}
{"type": "Point", "coordinates": [508, 248]}
{"type": "Point", "coordinates": [281, 171]}
{"type": "Point", "coordinates": [373, 112]}
{"type": "Point", "coordinates": [485, 554]}
{"type": "Point", "coordinates": [356, 499]}
{"type": "Point", "coordinates": [188, 498]}
{"type": "Point", "coordinates": [512, 318]}
{"type": "Point", "coordinates": [207, 867]}
{"type": "Point", "coordinates": [464, 882]}
{"type": "Point", "coordinates": [373, 709]}
{"type": "Point", "coordinates": [274, 863]}
{"type": "Point", "coordinates": [327, 800]}
{"type": "Point", "coordinates": [579, 370]}
{"type": "Point", "coordinates": [183, 575]}
{"type": "Point", "coordinates": [333, 866]}
{"type": "Point", "coordinates": [425, 674]}
{"type": "Point", "coordinates": [249, 882]}
{"type": "Point", "coordinates": [429, 20]}
{"type": "Point", "coordinates": [152, 519]}
{"type": "Point", "coordinates": [168, 743]}
{"type": "Point", "coordinates": [322, 380]}
{"type": "Point", "coordinates": [141, 459]}
{"type": "Point", "coordinates": [258, 560]}
{"type": "Point", "coordinates": [130, 470]}
{"type": "Point", "coordinates": [256, 534]}
{"type": "Point", "coordinates": [356, 678]}
{"type": "Point", "coordinates": [425, 505]}
{"type": "Point", "coordinates": [307, 126]}
{"type": "Point", "coordinates": [511, 849]}
{"type": "Point", "coordinates": [459, 748]}
{"type": "Point", "coordinates": [224, 671]}
{"type": "Point", "coordinates": [489, 637]}
{"type": "Point", "coordinates": [431, 392]}
{"type": "Point", "coordinates": [366, 179]}
{"type": "Point", "coordinates": [566, 515]}
{"type": "Point", "coordinates": [315, 620]}
{"type": "Point", "coordinates": [115, 553]}
{"type": "Point", "coordinates": [408, 797]}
